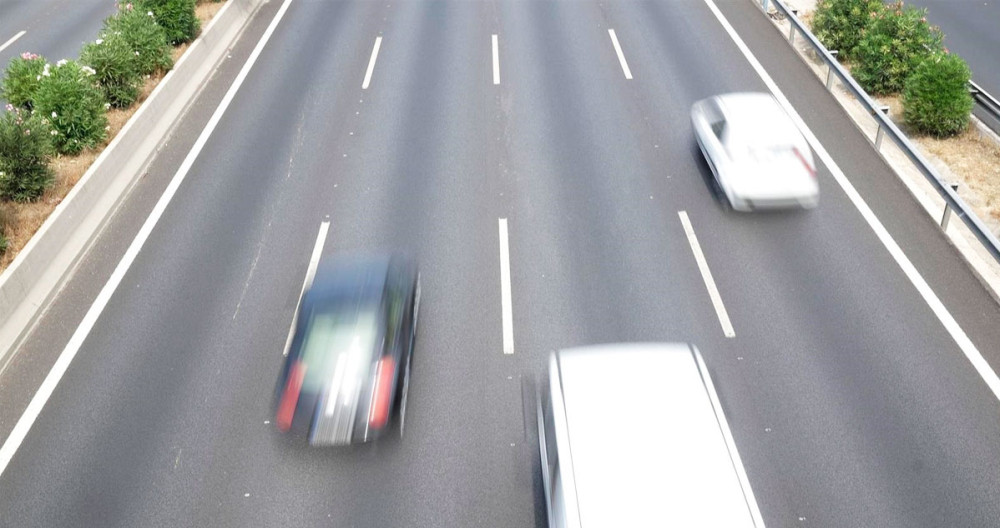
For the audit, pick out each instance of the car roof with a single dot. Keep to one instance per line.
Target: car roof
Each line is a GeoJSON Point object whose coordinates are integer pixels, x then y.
{"type": "Point", "coordinates": [645, 440]}
{"type": "Point", "coordinates": [758, 118]}
{"type": "Point", "coordinates": [358, 278]}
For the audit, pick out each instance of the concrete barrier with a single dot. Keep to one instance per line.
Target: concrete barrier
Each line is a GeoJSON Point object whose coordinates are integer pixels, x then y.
{"type": "Point", "coordinates": [30, 283]}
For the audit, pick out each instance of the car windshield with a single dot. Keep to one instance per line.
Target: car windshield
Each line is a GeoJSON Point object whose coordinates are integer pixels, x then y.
{"type": "Point", "coordinates": [337, 341]}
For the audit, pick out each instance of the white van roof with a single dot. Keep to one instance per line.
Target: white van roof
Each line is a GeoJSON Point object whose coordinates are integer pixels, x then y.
{"type": "Point", "coordinates": [648, 441]}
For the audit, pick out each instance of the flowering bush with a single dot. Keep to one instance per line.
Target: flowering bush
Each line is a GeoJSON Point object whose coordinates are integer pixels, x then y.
{"type": "Point", "coordinates": [25, 151]}
{"type": "Point", "coordinates": [117, 73]}
{"type": "Point", "coordinates": [896, 40]}
{"type": "Point", "coordinates": [69, 98]}
{"type": "Point", "coordinates": [147, 40]}
{"type": "Point", "coordinates": [838, 23]}
{"type": "Point", "coordinates": [936, 98]}
{"type": "Point", "coordinates": [177, 17]}
{"type": "Point", "coordinates": [21, 79]}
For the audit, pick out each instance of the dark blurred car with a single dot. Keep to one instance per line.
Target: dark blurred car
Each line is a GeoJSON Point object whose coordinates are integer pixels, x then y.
{"type": "Point", "coordinates": [348, 366]}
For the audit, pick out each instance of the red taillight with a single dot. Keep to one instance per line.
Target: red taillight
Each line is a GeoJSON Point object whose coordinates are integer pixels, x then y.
{"type": "Point", "coordinates": [805, 162]}
{"type": "Point", "coordinates": [290, 396]}
{"type": "Point", "coordinates": [379, 413]}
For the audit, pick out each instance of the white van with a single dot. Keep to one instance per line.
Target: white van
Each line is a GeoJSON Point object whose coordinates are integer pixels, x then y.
{"type": "Point", "coordinates": [633, 435]}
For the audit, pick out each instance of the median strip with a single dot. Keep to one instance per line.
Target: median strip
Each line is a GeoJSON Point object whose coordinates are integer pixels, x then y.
{"type": "Point", "coordinates": [79, 206]}
{"type": "Point", "coordinates": [933, 302]}
{"type": "Point", "coordinates": [48, 386]}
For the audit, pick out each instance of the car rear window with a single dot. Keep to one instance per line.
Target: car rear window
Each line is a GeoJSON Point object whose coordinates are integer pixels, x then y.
{"type": "Point", "coordinates": [337, 340]}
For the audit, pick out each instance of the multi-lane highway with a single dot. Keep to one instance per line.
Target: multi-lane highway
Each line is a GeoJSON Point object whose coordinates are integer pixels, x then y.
{"type": "Point", "coordinates": [56, 29]}
{"type": "Point", "coordinates": [848, 382]}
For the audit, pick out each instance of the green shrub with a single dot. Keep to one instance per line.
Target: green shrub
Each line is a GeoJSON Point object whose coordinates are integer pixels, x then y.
{"type": "Point", "coordinates": [117, 73]}
{"type": "Point", "coordinates": [896, 40]}
{"type": "Point", "coordinates": [936, 98]}
{"type": "Point", "coordinates": [3, 244]}
{"type": "Point", "coordinates": [148, 41]}
{"type": "Point", "coordinates": [21, 79]}
{"type": "Point", "coordinates": [177, 17]}
{"type": "Point", "coordinates": [839, 23]}
{"type": "Point", "coordinates": [25, 151]}
{"type": "Point", "coordinates": [69, 97]}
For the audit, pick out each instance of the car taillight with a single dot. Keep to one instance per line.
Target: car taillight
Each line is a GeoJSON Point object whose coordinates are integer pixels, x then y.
{"type": "Point", "coordinates": [805, 162]}
{"type": "Point", "coordinates": [379, 413]}
{"type": "Point", "coordinates": [290, 396]}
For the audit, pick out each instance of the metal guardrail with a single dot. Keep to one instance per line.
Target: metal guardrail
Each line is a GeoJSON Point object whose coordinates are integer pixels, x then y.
{"type": "Point", "coordinates": [887, 128]}
{"type": "Point", "coordinates": [988, 104]}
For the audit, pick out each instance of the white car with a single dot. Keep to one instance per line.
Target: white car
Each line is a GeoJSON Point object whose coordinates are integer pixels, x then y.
{"type": "Point", "coordinates": [759, 158]}
{"type": "Point", "coordinates": [634, 435]}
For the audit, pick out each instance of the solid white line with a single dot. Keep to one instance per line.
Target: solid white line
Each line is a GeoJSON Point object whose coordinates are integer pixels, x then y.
{"type": "Point", "coordinates": [935, 304]}
{"type": "Point", "coordinates": [496, 61]}
{"type": "Point", "coordinates": [12, 39]}
{"type": "Point", "coordinates": [371, 63]}
{"type": "Point", "coordinates": [621, 56]}
{"type": "Point", "coordinates": [706, 275]}
{"type": "Point", "coordinates": [48, 386]}
{"type": "Point", "coordinates": [307, 282]}
{"type": "Point", "coordinates": [505, 304]}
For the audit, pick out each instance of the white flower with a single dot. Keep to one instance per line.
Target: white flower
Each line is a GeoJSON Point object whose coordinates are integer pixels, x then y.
{"type": "Point", "coordinates": [99, 41]}
{"type": "Point", "coordinates": [89, 70]}
{"type": "Point", "coordinates": [61, 63]}
{"type": "Point", "coordinates": [45, 71]}
{"type": "Point", "coordinates": [38, 77]}
{"type": "Point", "coordinates": [150, 13]}
{"type": "Point", "coordinates": [54, 133]}
{"type": "Point", "coordinates": [107, 105]}
{"type": "Point", "coordinates": [137, 53]}
{"type": "Point", "coordinates": [107, 127]}
{"type": "Point", "coordinates": [54, 115]}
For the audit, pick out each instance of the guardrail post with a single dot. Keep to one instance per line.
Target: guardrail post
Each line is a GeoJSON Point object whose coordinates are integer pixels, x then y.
{"type": "Point", "coordinates": [947, 211]}
{"type": "Point", "coordinates": [881, 131]}
{"type": "Point", "coordinates": [763, 4]}
{"type": "Point", "coordinates": [829, 71]}
{"type": "Point", "coordinates": [791, 33]}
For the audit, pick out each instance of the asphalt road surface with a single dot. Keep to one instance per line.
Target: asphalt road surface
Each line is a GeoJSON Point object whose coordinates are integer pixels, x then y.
{"type": "Point", "coordinates": [970, 30]}
{"type": "Point", "coordinates": [850, 401]}
{"type": "Point", "coordinates": [55, 29]}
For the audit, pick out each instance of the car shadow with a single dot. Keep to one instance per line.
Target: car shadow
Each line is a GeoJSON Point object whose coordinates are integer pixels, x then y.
{"type": "Point", "coordinates": [529, 395]}
{"type": "Point", "coordinates": [708, 178]}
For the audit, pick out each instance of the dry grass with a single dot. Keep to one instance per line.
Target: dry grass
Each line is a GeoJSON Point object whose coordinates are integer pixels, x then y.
{"type": "Point", "coordinates": [976, 160]}
{"type": "Point", "coordinates": [20, 221]}
{"type": "Point", "coordinates": [206, 10]}
{"type": "Point", "coordinates": [969, 156]}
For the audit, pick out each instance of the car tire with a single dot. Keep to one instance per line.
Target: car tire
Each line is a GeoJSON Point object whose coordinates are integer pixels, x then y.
{"type": "Point", "coordinates": [409, 357]}
{"type": "Point", "coordinates": [406, 391]}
